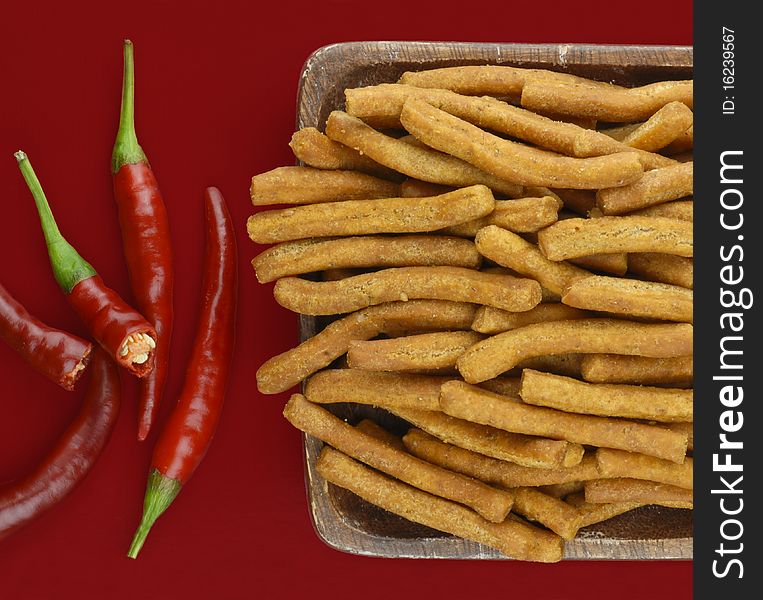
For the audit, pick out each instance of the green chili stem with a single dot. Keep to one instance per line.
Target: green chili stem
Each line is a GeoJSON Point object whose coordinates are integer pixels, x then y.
{"type": "Point", "coordinates": [160, 492]}
{"type": "Point", "coordinates": [127, 150]}
{"type": "Point", "coordinates": [69, 268]}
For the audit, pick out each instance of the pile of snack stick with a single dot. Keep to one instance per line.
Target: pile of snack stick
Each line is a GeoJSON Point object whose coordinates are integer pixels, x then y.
{"type": "Point", "coordinates": [508, 254]}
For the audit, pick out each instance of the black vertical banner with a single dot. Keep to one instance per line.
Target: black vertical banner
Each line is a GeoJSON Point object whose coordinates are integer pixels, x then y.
{"type": "Point", "coordinates": [727, 296]}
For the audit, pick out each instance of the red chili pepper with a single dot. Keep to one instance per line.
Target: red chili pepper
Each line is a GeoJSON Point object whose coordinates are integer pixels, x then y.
{"type": "Point", "coordinates": [119, 329]}
{"type": "Point", "coordinates": [146, 242]}
{"type": "Point", "coordinates": [60, 356]}
{"type": "Point", "coordinates": [185, 438]}
{"type": "Point", "coordinates": [73, 456]}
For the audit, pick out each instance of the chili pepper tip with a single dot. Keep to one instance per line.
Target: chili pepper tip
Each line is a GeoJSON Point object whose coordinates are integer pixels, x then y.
{"type": "Point", "coordinates": [160, 492]}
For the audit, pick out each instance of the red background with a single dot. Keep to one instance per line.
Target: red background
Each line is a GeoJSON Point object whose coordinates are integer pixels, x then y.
{"type": "Point", "coordinates": [216, 86]}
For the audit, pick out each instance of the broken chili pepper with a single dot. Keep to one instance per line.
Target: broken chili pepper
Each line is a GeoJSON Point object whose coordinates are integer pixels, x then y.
{"type": "Point", "coordinates": [145, 240]}
{"type": "Point", "coordinates": [73, 456]}
{"type": "Point", "coordinates": [118, 328]}
{"type": "Point", "coordinates": [186, 437]}
{"type": "Point", "coordinates": [60, 356]}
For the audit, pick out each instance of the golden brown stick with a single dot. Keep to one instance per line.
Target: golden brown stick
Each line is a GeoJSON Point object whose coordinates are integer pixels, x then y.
{"type": "Point", "coordinates": [683, 210]}
{"type": "Point", "coordinates": [620, 132]}
{"type": "Point", "coordinates": [498, 472]}
{"type": "Point", "coordinates": [406, 283]}
{"type": "Point", "coordinates": [383, 104]}
{"type": "Point", "coordinates": [375, 430]}
{"type": "Point", "coordinates": [413, 188]}
{"type": "Point", "coordinates": [560, 517]}
{"type": "Point", "coordinates": [504, 351]}
{"type": "Point", "coordinates": [635, 490]}
{"type": "Point", "coordinates": [666, 405]}
{"type": "Point", "coordinates": [685, 428]}
{"type": "Point", "coordinates": [412, 160]}
{"type": "Point", "coordinates": [494, 320]}
{"type": "Point", "coordinates": [520, 215]}
{"type": "Point", "coordinates": [561, 364]}
{"type": "Point", "coordinates": [281, 372]}
{"type": "Point", "coordinates": [616, 463]}
{"type": "Point", "coordinates": [573, 238]}
{"type": "Point", "coordinates": [316, 254]}
{"type": "Point", "coordinates": [437, 350]}
{"type": "Point", "coordinates": [314, 420]}
{"type": "Point", "coordinates": [316, 150]}
{"type": "Point", "coordinates": [662, 128]}
{"type": "Point", "coordinates": [304, 185]}
{"type": "Point", "coordinates": [591, 513]}
{"type": "Point", "coordinates": [631, 298]}
{"type": "Point", "coordinates": [615, 264]}
{"type": "Point", "coordinates": [506, 386]}
{"type": "Point", "coordinates": [683, 143]}
{"type": "Point", "coordinates": [514, 539]}
{"type": "Point", "coordinates": [561, 490]}
{"type": "Point", "coordinates": [362, 217]}
{"type": "Point", "coordinates": [510, 250]}
{"type": "Point", "coordinates": [665, 268]}
{"type": "Point", "coordinates": [655, 187]}
{"type": "Point", "coordinates": [471, 403]}
{"type": "Point", "coordinates": [637, 370]}
{"type": "Point", "coordinates": [513, 161]}
{"type": "Point", "coordinates": [527, 451]}
{"type": "Point", "coordinates": [615, 105]}
{"type": "Point", "coordinates": [405, 390]}
{"type": "Point", "coordinates": [489, 80]}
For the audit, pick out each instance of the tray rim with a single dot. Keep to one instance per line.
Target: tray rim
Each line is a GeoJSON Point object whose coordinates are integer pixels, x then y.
{"type": "Point", "coordinates": [358, 542]}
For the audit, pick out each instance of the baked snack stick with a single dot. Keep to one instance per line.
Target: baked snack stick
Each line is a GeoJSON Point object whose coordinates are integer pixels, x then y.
{"type": "Point", "coordinates": [492, 470]}
{"type": "Point", "coordinates": [614, 105]}
{"type": "Point", "coordinates": [616, 463]}
{"type": "Point", "coordinates": [318, 254]}
{"type": "Point", "coordinates": [683, 143]}
{"type": "Point", "coordinates": [406, 283]}
{"type": "Point", "coordinates": [499, 353]}
{"type": "Point", "coordinates": [683, 210]}
{"type": "Point", "coordinates": [512, 251]}
{"type": "Point", "coordinates": [555, 514]}
{"type": "Point", "coordinates": [412, 160]}
{"type": "Point", "coordinates": [287, 369]}
{"type": "Point", "coordinates": [666, 405]}
{"type": "Point", "coordinates": [591, 513]}
{"type": "Point", "coordinates": [471, 403]}
{"type": "Point", "coordinates": [513, 538]}
{"type": "Point", "coordinates": [364, 217]}
{"type": "Point", "coordinates": [375, 388]}
{"type": "Point", "coordinates": [562, 490]}
{"type": "Point", "coordinates": [384, 104]}
{"type": "Point", "coordinates": [662, 128]}
{"type": "Point", "coordinates": [521, 215]}
{"type": "Point", "coordinates": [663, 268]}
{"type": "Point", "coordinates": [685, 428]}
{"type": "Point", "coordinates": [375, 430]}
{"type": "Point", "coordinates": [305, 185]}
{"type": "Point", "coordinates": [636, 490]}
{"type": "Point", "coordinates": [491, 320]}
{"type": "Point", "coordinates": [511, 160]}
{"type": "Point", "coordinates": [631, 298]}
{"type": "Point", "coordinates": [438, 350]}
{"type": "Point", "coordinates": [637, 370]}
{"type": "Point", "coordinates": [523, 450]}
{"type": "Point", "coordinates": [655, 187]}
{"type": "Point", "coordinates": [573, 238]}
{"type": "Point", "coordinates": [316, 150]}
{"type": "Point", "coordinates": [491, 503]}
{"type": "Point", "coordinates": [493, 80]}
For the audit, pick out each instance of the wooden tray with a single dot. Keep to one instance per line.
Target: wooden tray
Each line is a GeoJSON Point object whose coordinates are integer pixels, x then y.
{"type": "Point", "coordinates": [341, 519]}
